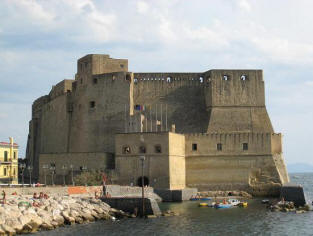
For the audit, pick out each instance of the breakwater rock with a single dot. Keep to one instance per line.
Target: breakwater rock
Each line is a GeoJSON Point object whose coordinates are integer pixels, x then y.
{"type": "Point", "coordinates": [22, 214]}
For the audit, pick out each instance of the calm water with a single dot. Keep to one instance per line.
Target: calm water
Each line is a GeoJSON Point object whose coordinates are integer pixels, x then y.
{"type": "Point", "coordinates": [253, 220]}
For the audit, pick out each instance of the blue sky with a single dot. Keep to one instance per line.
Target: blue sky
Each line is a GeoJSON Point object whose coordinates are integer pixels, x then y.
{"type": "Point", "coordinates": [41, 40]}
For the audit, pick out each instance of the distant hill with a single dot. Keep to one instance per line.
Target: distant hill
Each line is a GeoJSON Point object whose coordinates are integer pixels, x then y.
{"type": "Point", "coordinates": [299, 167]}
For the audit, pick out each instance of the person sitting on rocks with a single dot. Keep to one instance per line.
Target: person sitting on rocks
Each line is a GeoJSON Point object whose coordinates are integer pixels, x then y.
{"type": "Point", "coordinates": [41, 195]}
{"type": "Point", "coordinates": [35, 196]}
{"type": "Point", "coordinates": [3, 197]}
{"type": "Point", "coordinates": [45, 196]}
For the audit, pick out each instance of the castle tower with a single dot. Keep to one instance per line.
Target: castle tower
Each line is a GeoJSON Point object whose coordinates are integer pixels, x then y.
{"type": "Point", "coordinates": [235, 101]}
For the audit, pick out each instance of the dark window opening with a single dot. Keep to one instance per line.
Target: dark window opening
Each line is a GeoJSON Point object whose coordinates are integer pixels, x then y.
{"type": "Point", "coordinates": [194, 147]}
{"type": "Point", "coordinates": [158, 148]}
{"type": "Point", "coordinates": [68, 91]}
{"type": "Point", "coordinates": [127, 78]}
{"type": "Point", "coordinates": [92, 104]}
{"type": "Point", "coordinates": [5, 171]}
{"type": "Point", "coordinates": [14, 155]}
{"type": "Point", "coordinates": [145, 181]}
{"type": "Point", "coordinates": [95, 81]}
{"type": "Point", "coordinates": [219, 147]}
{"type": "Point", "coordinates": [225, 77]}
{"type": "Point", "coordinates": [121, 65]}
{"type": "Point", "coordinates": [142, 149]}
{"type": "Point", "coordinates": [126, 150]}
{"type": "Point", "coordinates": [5, 156]}
{"type": "Point", "coordinates": [245, 146]}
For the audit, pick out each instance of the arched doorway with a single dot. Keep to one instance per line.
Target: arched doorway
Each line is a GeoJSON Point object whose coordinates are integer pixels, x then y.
{"type": "Point", "coordinates": [145, 181]}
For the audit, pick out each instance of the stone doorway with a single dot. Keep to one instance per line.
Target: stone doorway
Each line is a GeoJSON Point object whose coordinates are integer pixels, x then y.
{"type": "Point", "coordinates": [145, 181]}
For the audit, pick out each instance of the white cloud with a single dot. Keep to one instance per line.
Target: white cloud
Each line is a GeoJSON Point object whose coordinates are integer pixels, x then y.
{"type": "Point", "coordinates": [142, 7]}
{"type": "Point", "coordinates": [244, 4]}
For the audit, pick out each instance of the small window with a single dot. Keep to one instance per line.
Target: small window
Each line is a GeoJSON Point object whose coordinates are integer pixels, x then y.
{"type": "Point", "coordinates": [68, 91]}
{"type": "Point", "coordinates": [168, 79]}
{"type": "Point", "coordinates": [244, 77]}
{"type": "Point", "coordinates": [127, 78]}
{"type": "Point", "coordinates": [126, 150]}
{"type": "Point", "coordinates": [194, 147]}
{"type": "Point", "coordinates": [158, 148]}
{"type": "Point", "coordinates": [219, 147]}
{"type": "Point", "coordinates": [135, 80]}
{"type": "Point", "coordinates": [201, 79]}
{"type": "Point", "coordinates": [5, 171]}
{"type": "Point", "coordinates": [225, 77]}
{"type": "Point", "coordinates": [14, 171]}
{"type": "Point", "coordinates": [14, 155]}
{"type": "Point", "coordinates": [92, 104]}
{"type": "Point", "coordinates": [5, 155]}
{"type": "Point", "coordinates": [142, 149]}
{"type": "Point", "coordinates": [52, 164]}
{"type": "Point", "coordinates": [95, 80]}
{"type": "Point", "coordinates": [245, 146]}
{"type": "Point", "coordinates": [121, 65]}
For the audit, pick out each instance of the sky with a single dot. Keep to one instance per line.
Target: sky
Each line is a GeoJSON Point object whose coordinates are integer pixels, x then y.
{"type": "Point", "coordinates": [41, 40]}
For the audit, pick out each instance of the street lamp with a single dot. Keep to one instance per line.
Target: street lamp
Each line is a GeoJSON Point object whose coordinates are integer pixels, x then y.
{"type": "Point", "coordinates": [64, 169]}
{"type": "Point", "coordinates": [30, 169]}
{"type": "Point", "coordinates": [52, 169]}
{"type": "Point", "coordinates": [22, 167]}
{"type": "Point", "coordinates": [45, 167]}
{"type": "Point", "coordinates": [142, 159]}
{"type": "Point", "coordinates": [72, 170]}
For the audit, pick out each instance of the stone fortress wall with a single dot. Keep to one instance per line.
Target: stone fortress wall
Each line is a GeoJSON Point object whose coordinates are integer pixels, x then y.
{"type": "Point", "coordinates": [83, 116]}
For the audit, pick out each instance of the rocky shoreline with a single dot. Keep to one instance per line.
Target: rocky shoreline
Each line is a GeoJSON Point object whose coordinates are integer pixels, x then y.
{"type": "Point", "coordinates": [23, 214]}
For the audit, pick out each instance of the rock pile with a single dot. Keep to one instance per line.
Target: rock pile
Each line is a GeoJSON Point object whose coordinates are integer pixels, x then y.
{"type": "Point", "coordinates": [286, 206]}
{"type": "Point", "coordinates": [23, 214]}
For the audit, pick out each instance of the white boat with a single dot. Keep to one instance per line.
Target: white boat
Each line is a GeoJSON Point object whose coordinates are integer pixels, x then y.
{"type": "Point", "coordinates": [234, 202]}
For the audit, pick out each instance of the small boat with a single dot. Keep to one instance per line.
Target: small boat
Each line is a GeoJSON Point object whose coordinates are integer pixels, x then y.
{"type": "Point", "coordinates": [265, 201]}
{"type": "Point", "coordinates": [222, 205]}
{"type": "Point", "coordinates": [205, 199]}
{"type": "Point", "coordinates": [234, 202]}
{"type": "Point", "coordinates": [203, 204]}
{"type": "Point", "coordinates": [243, 204]}
{"type": "Point", "coordinates": [194, 199]}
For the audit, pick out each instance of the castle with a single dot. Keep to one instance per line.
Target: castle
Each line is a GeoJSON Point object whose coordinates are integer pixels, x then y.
{"type": "Point", "coordinates": [208, 130]}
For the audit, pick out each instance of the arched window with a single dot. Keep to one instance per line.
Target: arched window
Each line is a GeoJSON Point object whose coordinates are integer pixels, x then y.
{"type": "Point", "coordinates": [243, 77]}
{"type": "Point", "coordinates": [126, 150]}
{"type": "Point", "coordinates": [201, 79]}
{"type": "Point", "coordinates": [226, 77]}
{"type": "Point", "coordinates": [168, 79]}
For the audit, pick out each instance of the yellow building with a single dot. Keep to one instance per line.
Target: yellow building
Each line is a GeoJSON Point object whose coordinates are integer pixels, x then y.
{"type": "Point", "coordinates": [9, 162]}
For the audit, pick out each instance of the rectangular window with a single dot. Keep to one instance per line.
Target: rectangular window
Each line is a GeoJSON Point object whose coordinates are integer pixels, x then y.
{"type": "Point", "coordinates": [194, 147]}
{"type": "Point", "coordinates": [245, 146]}
{"type": "Point", "coordinates": [95, 80]}
{"type": "Point", "coordinates": [5, 155]}
{"type": "Point", "coordinates": [92, 104]}
{"type": "Point", "coordinates": [158, 148]}
{"type": "Point", "coordinates": [5, 171]}
{"type": "Point", "coordinates": [14, 155]}
{"type": "Point", "coordinates": [219, 147]}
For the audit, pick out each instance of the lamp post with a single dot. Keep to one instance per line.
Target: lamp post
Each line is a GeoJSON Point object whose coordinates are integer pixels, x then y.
{"type": "Point", "coordinates": [72, 170]}
{"type": "Point", "coordinates": [30, 169]}
{"type": "Point", "coordinates": [52, 169]}
{"type": "Point", "coordinates": [142, 159]}
{"type": "Point", "coordinates": [45, 167]}
{"type": "Point", "coordinates": [64, 169]}
{"type": "Point", "coordinates": [22, 167]}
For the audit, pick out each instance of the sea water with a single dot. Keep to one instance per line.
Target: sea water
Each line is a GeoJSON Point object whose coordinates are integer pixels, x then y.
{"type": "Point", "coordinates": [193, 220]}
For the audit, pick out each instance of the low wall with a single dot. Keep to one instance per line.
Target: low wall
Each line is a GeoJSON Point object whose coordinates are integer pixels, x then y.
{"type": "Point", "coordinates": [294, 193]}
{"type": "Point", "coordinates": [113, 190]}
{"type": "Point", "coordinates": [130, 204]}
{"type": "Point", "coordinates": [176, 195]}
